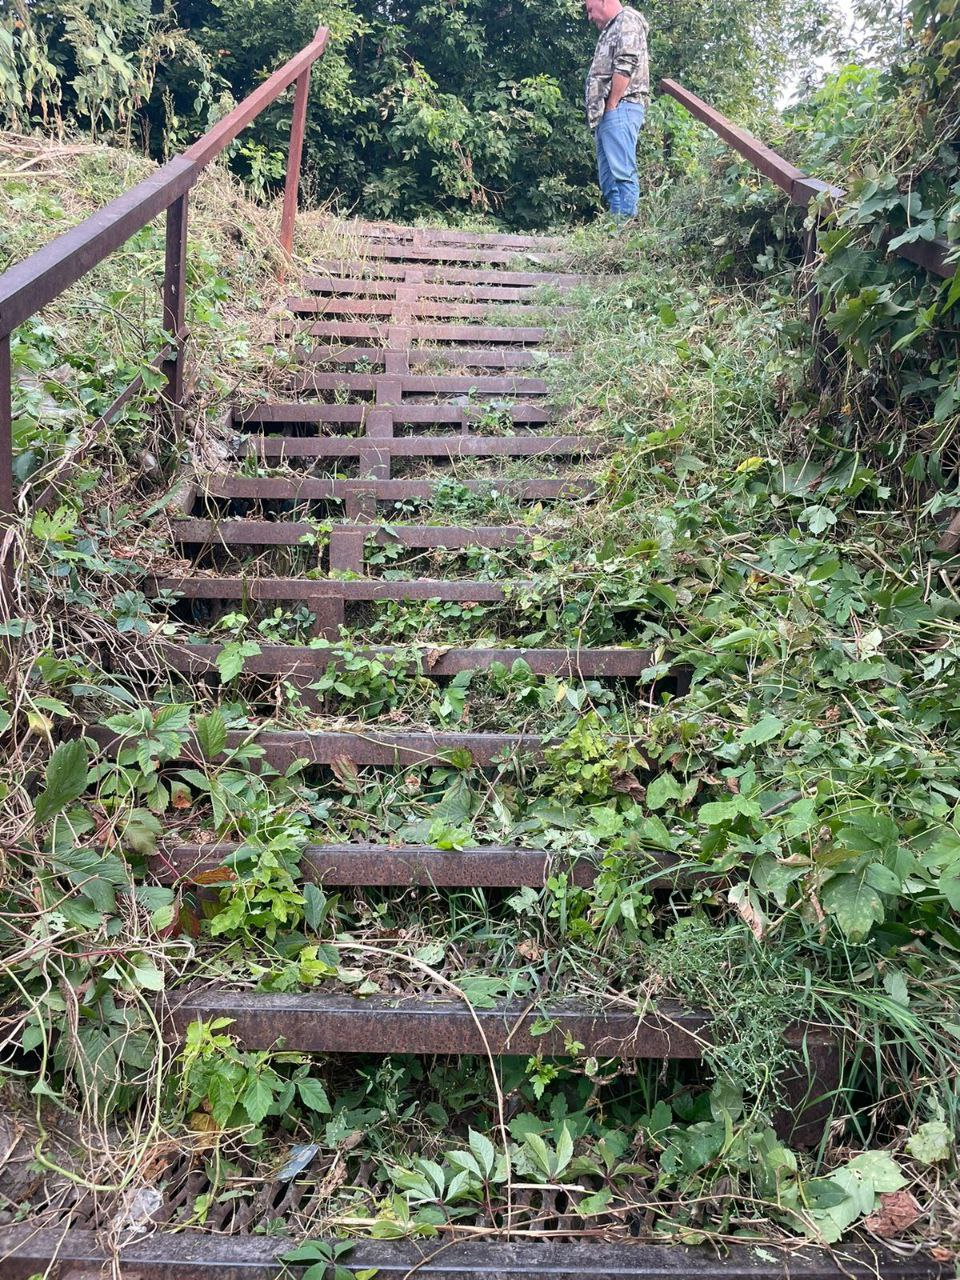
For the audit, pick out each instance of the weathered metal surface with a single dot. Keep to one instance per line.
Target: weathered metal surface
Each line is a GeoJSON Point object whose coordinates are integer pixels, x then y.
{"type": "Point", "coordinates": [174, 298]}
{"type": "Point", "coordinates": [478, 359]}
{"type": "Point", "coordinates": [449, 253]}
{"type": "Point", "coordinates": [282, 747]}
{"type": "Point", "coordinates": [291, 188]}
{"type": "Point", "coordinates": [299, 660]}
{"type": "Point", "coordinates": [342, 285]}
{"type": "Point", "coordinates": [306, 411]}
{"type": "Point", "coordinates": [397, 234]}
{"type": "Point", "coordinates": [309, 488]}
{"type": "Point", "coordinates": [290, 533]}
{"type": "Point", "coordinates": [930, 254]}
{"type": "Point", "coordinates": [234, 122]}
{"type": "Point", "coordinates": [198, 1255]}
{"type": "Point", "coordinates": [425, 384]}
{"type": "Point", "coordinates": [519, 335]}
{"type": "Point", "coordinates": [421, 308]}
{"type": "Point", "coordinates": [449, 447]}
{"type": "Point", "coordinates": [373, 864]}
{"type": "Point", "coordinates": [314, 591]}
{"type": "Point", "coordinates": [313, 1023]}
{"type": "Point", "coordinates": [361, 268]}
{"type": "Point", "coordinates": [6, 449]}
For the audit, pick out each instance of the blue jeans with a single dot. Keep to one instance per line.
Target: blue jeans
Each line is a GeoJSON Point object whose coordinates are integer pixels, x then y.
{"type": "Point", "coordinates": [617, 135]}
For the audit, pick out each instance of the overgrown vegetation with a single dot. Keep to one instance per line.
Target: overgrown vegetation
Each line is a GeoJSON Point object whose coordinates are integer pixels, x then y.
{"type": "Point", "coordinates": [788, 754]}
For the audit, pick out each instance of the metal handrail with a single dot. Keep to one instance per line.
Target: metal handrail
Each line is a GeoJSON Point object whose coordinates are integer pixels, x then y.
{"type": "Point", "coordinates": [800, 187]}
{"type": "Point", "coordinates": [31, 284]}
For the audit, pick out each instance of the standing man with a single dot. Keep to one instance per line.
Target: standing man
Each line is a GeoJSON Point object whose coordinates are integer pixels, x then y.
{"type": "Point", "coordinates": [618, 85]}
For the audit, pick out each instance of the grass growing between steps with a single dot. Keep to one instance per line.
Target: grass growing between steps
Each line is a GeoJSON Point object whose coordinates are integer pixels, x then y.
{"type": "Point", "coordinates": [805, 782]}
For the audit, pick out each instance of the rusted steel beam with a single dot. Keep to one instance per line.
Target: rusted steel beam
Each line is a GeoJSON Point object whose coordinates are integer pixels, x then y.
{"type": "Point", "coordinates": [174, 299]}
{"type": "Point", "coordinates": [307, 411]}
{"type": "Point", "coordinates": [389, 232]}
{"type": "Point", "coordinates": [290, 533]}
{"type": "Point", "coordinates": [430, 385]}
{"type": "Point", "coordinates": [341, 285]}
{"type": "Point", "coordinates": [317, 591]}
{"type": "Point", "coordinates": [421, 309]}
{"type": "Point", "coordinates": [283, 747]}
{"type": "Point", "coordinates": [522, 335]}
{"type": "Point", "coordinates": [421, 414]}
{"type": "Point", "coordinates": [6, 456]}
{"type": "Point", "coordinates": [234, 122]}
{"type": "Point", "coordinates": [29, 285]}
{"type": "Point", "coordinates": [299, 660]}
{"type": "Point", "coordinates": [930, 254]}
{"type": "Point", "coordinates": [491, 867]}
{"type": "Point", "coordinates": [476, 359]}
{"type": "Point", "coordinates": [450, 447]}
{"type": "Point", "coordinates": [309, 488]}
{"type": "Point", "coordinates": [438, 254]}
{"type": "Point", "coordinates": [29, 1249]}
{"type": "Point", "coordinates": [312, 1023]}
{"type": "Point", "coordinates": [303, 412]}
{"type": "Point", "coordinates": [291, 189]}
{"type": "Point", "coordinates": [361, 268]}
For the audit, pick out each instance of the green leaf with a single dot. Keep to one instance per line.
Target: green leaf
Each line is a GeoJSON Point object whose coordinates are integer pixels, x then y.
{"type": "Point", "coordinates": [764, 730]}
{"type": "Point", "coordinates": [231, 657]}
{"type": "Point", "coordinates": [484, 1150]}
{"type": "Point", "coordinates": [856, 905]}
{"type": "Point", "coordinates": [211, 731]}
{"type": "Point", "coordinates": [314, 1095]}
{"type": "Point", "coordinates": [257, 1099]}
{"type": "Point", "coordinates": [65, 777]}
{"type": "Point", "coordinates": [931, 1143]}
{"type": "Point", "coordinates": [662, 790]}
{"type": "Point", "coordinates": [717, 812]}
{"type": "Point", "coordinates": [879, 1169]}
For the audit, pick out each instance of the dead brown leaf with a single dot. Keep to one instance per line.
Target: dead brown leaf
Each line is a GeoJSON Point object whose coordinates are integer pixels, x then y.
{"type": "Point", "coordinates": [898, 1211]}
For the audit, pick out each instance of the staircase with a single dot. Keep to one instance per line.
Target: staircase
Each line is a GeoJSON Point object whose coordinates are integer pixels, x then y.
{"type": "Point", "coordinates": [423, 369]}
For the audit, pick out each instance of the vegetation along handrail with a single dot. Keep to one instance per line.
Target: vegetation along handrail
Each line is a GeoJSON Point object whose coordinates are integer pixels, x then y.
{"type": "Point", "coordinates": [930, 254]}
{"type": "Point", "coordinates": [30, 285]}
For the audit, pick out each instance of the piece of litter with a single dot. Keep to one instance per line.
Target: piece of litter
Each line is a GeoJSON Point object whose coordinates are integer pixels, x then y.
{"type": "Point", "coordinates": [300, 1157]}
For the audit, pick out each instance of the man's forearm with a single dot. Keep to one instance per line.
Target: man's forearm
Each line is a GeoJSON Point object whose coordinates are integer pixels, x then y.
{"type": "Point", "coordinates": [618, 87]}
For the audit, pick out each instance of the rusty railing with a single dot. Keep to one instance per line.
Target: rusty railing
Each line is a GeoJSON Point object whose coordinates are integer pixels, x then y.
{"type": "Point", "coordinates": [29, 285]}
{"type": "Point", "coordinates": [930, 254]}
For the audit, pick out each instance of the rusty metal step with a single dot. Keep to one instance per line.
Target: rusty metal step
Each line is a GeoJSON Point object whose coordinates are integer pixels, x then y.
{"type": "Point", "coordinates": [450, 447]}
{"type": "Point", "coordinates": [307, 662]}
{"type": "Point", "coordinates": [430, 385]}
{"type": "Point", "coordinates": [331, 591]}
{"type": "Point", "coordinates": [305, 412]}
{"type": "Point", "coordinates": [29, 1249]}
{"type": "Point", "coordinates": [282, 747]}
{"type": "Point", "coordinates": [514, 335]}
{"type": "Point", "coordinates": [231, 531]}
{"type": "Point", "coordinates": [507, 255]}
{"type": "Point", "coordinates": [477, 359]}
{"type": "Point", "coordinates": [307, 488]}
{"type": "Point", "coordinates": [391, 233]}
{"type": "Point", "coordinates": [315, 1023]}
{"type": "Point", "coordinates": [415, 308]}
{"type": "Point", "coordinates": [492, 866]}
{"type": "Point", "coordinates": [344, 286]}
{"type": "Point", "coordinates": [361, 268]}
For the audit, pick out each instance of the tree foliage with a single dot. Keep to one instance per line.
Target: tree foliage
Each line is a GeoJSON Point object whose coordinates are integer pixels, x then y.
{"type": "Point", "coordinates": [417, 106]}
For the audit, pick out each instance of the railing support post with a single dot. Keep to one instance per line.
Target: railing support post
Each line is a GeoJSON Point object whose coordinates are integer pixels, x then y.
{"type": "Point", "coordinates": [6, 478]}
{"type": "Point", "coordinates": [291, 188]}
{"type": "Point", "coordinates": [174, 300]}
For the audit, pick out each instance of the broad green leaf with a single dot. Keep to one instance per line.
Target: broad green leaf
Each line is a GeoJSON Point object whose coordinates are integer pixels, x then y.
{"type": "Point", "coordinates": [65, 777]}
{"type": "Point", "coordinates": [932, 1143]}
{"type": "Point", "coordinates": [211, 731]}
{"type": "Point", "coordinates": [662, 790]}
{"type": "Point", "coordinates": [484, 1150]}
{"type": "Point", "coordinates": [765, 730]}
{"type": "Point", "coordinates": [716, 812]}
{"type": "Point", "coordinates": [257, 1099]}
{"type": "Point", "coordinates": [231, 657]}
{"type": "Point", "coordinates": [856, 905]}
{"type": "Point", "coordinates": [314, 1095]}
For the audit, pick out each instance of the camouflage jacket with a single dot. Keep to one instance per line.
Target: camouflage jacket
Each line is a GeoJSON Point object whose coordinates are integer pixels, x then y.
{"type": "Point", "coordinates": [622, 48]}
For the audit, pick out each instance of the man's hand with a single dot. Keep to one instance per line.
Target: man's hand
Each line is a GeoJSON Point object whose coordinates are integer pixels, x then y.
{"type": "Point", "coordinates": [618, 87]}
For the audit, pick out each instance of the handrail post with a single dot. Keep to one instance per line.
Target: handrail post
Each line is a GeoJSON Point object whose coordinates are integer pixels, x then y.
{"type": "Point", "coordinates": [6, 477]}
{"type": "Point", "coordinates": [294, 155]}
{"type": "Point", "coordinates": [174, 300]}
